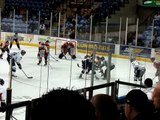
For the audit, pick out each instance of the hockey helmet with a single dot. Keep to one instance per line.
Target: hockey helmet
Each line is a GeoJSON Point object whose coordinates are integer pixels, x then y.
{"type": "Point", "coordinates": [132, 59]}
{"type": "Point", "coordinates": [47, 41]}
{"type": "Point", "coordinates": [102, 58]}
{"type": "Point", "coordinates": [86, 57]}
{"type": "Point", "coordinates": [1, 81]}
{"type": "Point", "coordinates": [23, 52]}
{"type": "Point", "coordinates": [98, 57]}
{"type": "Point", "coordinates": [152, 59]}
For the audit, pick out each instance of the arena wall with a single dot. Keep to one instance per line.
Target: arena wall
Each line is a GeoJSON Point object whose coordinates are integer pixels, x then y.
{"type": "Point", "coordinates": [117, 50]}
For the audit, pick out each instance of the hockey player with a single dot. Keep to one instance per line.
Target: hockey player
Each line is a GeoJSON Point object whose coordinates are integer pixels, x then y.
{"type": "Point", "coordinates": [47, 44]}
{"type": "Point", "coordinates": [103, 67]}
{"type": "Point", "coordinates": [2, 93]}
{"type": "Point", "coordinates": [16, 58]}
{"type": "Point", "coordinates": [15, 38]}
{"type": "Point", "coordinates": [63, 50]}
{"type": "Point", "coordinates": [43, 52]}
{"type": "Point", "coordinates": [139, 69]}
{"type": "Point", "coordinates": [156, 64]}
{"type": "Point", "coordinates": [71, 50]}
{"type": "Point", "coordinates": [4, 47]}
{"type": "Point", "coordinates": [68, 47]}
{"type": "Point", "coordinates": [86, 66]}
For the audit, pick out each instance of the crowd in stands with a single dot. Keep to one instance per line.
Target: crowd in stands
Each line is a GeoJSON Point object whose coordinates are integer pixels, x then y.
{"type": "Point", "coordinates": [106, 8]}
{"type": "Point", "coordinates": [45, 7]}
{"type": "Point", "coordinates": [150, 37]}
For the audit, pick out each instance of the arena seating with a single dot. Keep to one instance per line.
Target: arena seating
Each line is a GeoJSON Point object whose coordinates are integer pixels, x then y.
{"type": "Point", "coordinates": [106, 8]}
{"type": "Point", "coordinates": [147, 34]}
{"type": "Point", "coordinates": [33, 6]}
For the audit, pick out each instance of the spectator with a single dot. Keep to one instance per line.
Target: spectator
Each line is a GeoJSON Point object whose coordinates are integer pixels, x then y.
{"type": "Point", "coordinates": [157, 16]}
{"type": "Point", "coordinates": [137, 106]}
{"type": "Point", "coordinates": [148, 83]}
{"type": "Point", "coordinates": [105, 107]}
{"type": "Point", "coordinates": [42, 29]}
{"type": "Point", "coordinates": [63, 104]}
{"type": "Point", "coordinates": [156, 101]}
{"type": "Point", "coordinates": [72, 34]}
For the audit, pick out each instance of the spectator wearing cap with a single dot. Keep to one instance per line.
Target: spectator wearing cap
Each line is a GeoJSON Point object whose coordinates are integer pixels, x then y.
{"type": "Point", "coordinates": [148, 83]}
{"type": "Point", "coordinates": [137, 106]}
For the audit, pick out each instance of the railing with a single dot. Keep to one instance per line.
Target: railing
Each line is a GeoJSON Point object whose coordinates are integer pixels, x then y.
{"type": "Point", "coordinates": [9, 109]}
{"type": "Point", "coordinates": [29, 104]}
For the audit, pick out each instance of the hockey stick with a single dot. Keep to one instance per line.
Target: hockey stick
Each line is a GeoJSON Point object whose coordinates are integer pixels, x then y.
{"type": "Point", "coordinates": [154, 77]}
{"type": "Point", "coordinates": [29, 77]}
{"type": "Point", "coordinates": [78, 65]}
{"type": "Point", "coordinates": [53, 57]}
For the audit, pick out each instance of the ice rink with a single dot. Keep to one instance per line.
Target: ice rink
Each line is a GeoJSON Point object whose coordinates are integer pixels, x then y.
{"type": "Point", "coordinates": [62, 73]}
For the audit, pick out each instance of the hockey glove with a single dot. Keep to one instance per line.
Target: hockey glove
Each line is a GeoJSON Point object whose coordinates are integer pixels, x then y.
{"type": "Point", "coordinates": [3, 104]}
{"type": "Point", "coordinates": [156, 74]}
{"type": "Point", "coordinates": [20, 66]}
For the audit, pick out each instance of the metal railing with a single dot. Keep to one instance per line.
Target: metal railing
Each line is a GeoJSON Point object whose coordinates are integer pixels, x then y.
{"type": "Point", "coordinates": [29, 104]}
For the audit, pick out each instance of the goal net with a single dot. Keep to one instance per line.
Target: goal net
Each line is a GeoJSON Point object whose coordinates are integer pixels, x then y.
{"type": "Point", "coordinates": [60, 41]}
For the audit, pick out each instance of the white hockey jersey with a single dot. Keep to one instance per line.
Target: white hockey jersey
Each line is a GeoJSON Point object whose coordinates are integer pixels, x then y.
{"type": "Point", "coordinates": [138, 65]}
{"type": "Point", "coordinates": [16, 56]}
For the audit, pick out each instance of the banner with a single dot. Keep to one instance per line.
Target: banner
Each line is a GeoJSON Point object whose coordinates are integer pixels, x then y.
{"type": "Point", "coordinates": [98, 47]}
{"type": "Point", "coordinates": [21, 37]}
{"type": "Point", "coordinates": [151, 3]}
{"type": "Point", "coordinates": [44, 38]}
{"type": "Point", "coordinates": [137, 51]}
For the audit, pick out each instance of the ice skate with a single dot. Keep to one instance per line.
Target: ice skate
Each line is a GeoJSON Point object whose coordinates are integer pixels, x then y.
{"type": "Point", "coordinates": [135, 78]}
{"type": "Point", "coordinates": [14, 75]}
{"type": "Point", "coordinates": [80, 76]}
{"type": "Point", "coordinates": [1, 57]}
{"type": "Point", "coordinates": [38, 63]}
{"type": "Point", "coordinates": [140, 79]}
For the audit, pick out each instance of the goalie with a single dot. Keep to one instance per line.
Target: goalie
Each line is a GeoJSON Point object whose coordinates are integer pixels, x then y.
{"type": "Point", "coordinates": [68, 47]}
{"type": "Point", "coordinates": [139, 69]}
